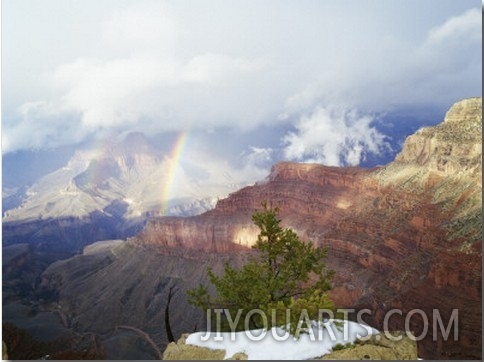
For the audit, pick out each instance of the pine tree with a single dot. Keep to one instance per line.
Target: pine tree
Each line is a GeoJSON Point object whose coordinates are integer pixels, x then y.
{"type": "Point", "coordinates": [286, 273]}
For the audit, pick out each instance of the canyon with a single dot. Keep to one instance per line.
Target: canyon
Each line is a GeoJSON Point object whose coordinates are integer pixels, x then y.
{"type": "Point", "coordinates": [406, 235]}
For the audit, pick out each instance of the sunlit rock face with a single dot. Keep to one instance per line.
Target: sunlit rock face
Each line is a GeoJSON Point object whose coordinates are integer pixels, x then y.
{"type": "Point", "coordinates": [406, 235]}
{"type": "Point", "coordinates": [452, 147]}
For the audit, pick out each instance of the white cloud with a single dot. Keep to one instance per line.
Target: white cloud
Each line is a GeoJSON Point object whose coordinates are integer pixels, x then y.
{"type": "Point", "coordinates": [219, 67]}
{"type": "Point", "coordinates": [334, 137]}
{"type": "Point", "coordinates": [145, 26]}
{"type": "Point", "coordinates": [257, 157]}
{"type": "Point", "coordinates": [453, 48]}
{"type": "Point", "coordinates": [208, 88]}
{"type": "Point", "coordinates": [464, 27]}
{"type": "Point", "coordinates": [143, 93]}
{"type": "Point", "coordinates": [440, 67]}
{"type": "Point", "coordinates": [157, 66]}
{"type": "Point", "coordinates": [202, 173]}
{"type": "Point", "coordinates": [111, 93]}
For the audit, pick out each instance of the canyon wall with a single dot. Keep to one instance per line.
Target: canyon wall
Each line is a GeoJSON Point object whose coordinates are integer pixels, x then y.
{"type": "Point", "coordinates": [407, 235]}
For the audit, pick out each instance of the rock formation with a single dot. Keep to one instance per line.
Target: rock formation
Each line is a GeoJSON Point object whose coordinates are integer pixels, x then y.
{"type": "Point", "coordinates": [120, 290]}
{"type": "Point", "coordinates": [406, 235]}
{"type": "Point", "coordinates": [378, 347]}
{"type": "Point", "coordinates": [180, 351]}
{"type": "Point", "coordinates": [375, 348]}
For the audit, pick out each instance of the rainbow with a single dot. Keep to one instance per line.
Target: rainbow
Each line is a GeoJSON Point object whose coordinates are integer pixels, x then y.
{"type": "Point", "coordinates": [95, 173]}
{"type": "Point", "coordinates": [173, 170]}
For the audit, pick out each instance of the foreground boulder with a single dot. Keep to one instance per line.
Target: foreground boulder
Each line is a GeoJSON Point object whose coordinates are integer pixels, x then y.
{"type": "Point", "coordinates": [378, 347]}
{"type": "Point", "coordinates": [182, 351]}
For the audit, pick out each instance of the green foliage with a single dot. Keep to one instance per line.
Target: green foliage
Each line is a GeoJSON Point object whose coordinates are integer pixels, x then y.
{"type": "Point", "coordinates": [301, 311]}
{"type": "Point", "coordinates": [199, 297]}
{"type": "Point", "coordinates": [339, 346]}
{"type": "Point", "coordinates": [285, 274]}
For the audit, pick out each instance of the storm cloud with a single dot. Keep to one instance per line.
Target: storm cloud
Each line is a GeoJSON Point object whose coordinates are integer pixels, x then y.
{"type": "Point", "coordinates": [322, 69]}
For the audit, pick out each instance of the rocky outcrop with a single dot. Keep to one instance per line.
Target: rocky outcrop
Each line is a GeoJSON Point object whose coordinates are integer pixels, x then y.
{"type": "Point", "coordinates": [4, 351]}
{"type": "Point", "coordinates": [379, 347]}
{"type": "Point", "coordinates": [21, 345]}
{"type": "Point", "coordinates": [452, 147]}
{"type": "Point", "coordinates": [207, 233]}
{"type": "Point", "coordinates": [385, 346]}
{"type": "Point", "coordinates": [303, 192]}
{"type": "Point", "coordinates": [181, 351]}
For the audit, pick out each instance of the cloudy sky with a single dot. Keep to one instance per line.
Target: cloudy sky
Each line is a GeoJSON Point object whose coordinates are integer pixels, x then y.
{"type": "Point", "coordinates": [305, 80]}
